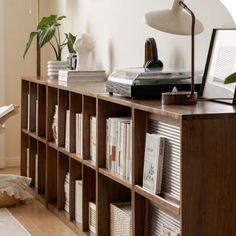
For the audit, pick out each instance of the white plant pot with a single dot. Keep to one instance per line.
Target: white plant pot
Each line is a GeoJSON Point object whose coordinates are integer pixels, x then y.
{"type": "Point", "coordinates": [54, 66]}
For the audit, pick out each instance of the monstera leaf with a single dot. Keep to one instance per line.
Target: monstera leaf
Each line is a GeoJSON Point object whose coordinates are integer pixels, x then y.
{"type": "Point", "coordinates": [230, 79]}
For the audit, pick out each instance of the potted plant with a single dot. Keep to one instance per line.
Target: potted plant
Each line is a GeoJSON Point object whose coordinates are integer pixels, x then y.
{"type": "Point", "coordinates": [48, 31]}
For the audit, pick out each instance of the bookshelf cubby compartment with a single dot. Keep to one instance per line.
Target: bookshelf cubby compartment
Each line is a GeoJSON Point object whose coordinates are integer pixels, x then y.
{"type": "Point", "coordinates": [51, 177]}
{"type": "Point", "coordinates": [41, 111]}
{"type": "Point", "coordinates": [108, 192]}
{"type": "Point", "coordinates": [75, 174]}
{"type": "Point", "coordinates": [89, 109]}
{"type": "Point", "coordinates": [41, 168]}
{"type": "Point", "coordinates": [199, 164]}
{"type": "Point", "coordinates": [89, 193]}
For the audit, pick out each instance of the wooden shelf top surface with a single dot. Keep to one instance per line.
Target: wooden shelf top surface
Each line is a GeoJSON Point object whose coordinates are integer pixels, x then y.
{"type": "Point", "coordinates": [97, 89]}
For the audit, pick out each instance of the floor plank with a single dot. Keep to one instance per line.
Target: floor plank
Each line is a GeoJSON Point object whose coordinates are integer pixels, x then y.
{"type": "Point", "coordinates": [36, 218]}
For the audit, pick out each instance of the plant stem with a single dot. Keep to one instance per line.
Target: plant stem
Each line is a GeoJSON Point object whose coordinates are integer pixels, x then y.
{"type": "Point", "coordinates": [54, 49]}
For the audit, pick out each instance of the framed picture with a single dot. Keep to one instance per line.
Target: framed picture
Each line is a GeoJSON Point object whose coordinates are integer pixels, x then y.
{"type": "Point", "coordinates": [221, 62]}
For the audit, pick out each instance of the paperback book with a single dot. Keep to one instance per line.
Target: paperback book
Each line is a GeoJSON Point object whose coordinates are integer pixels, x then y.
{"type": "Point", "coordinates": [153, 163]}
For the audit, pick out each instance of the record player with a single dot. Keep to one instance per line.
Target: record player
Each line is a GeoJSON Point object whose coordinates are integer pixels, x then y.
{"type": "Point", "coordinates": [143, 83]}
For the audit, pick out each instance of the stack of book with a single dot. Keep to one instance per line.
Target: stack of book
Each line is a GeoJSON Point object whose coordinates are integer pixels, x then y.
{"type": "Point", "coordinates": [119, 146]}
{"type": "Point", "coordinates": [78, 201]}
{"type": "Point", "coordinates": [67, 192]}
{"type": "Point", "coordinates": [67, 138]}
{"type": "Point", "coordinates": [79, 133]}
{"type": "Point", "coordinates": [81, 76]}
{"type": "Point", "coordinates": [93, 142]}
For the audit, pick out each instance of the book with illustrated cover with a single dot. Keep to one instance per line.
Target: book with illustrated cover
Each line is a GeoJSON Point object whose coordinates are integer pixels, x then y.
{"type": "Point", "coordinates": [153, 162]}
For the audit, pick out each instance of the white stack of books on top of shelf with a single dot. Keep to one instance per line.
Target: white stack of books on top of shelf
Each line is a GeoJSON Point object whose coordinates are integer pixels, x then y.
{"type": "Point", "coordinates": [119, 146]}
{"type": "Point", "coordinates": [120, 219]}
{"type": "Point", "coordinates": [67, 192]}
{"type": "Point", "coordinates": [153, 162]}
{"type": "Point", "coordinates": [81, 76]}
{"type": "Point", "coordinates": [79, 134]}
{"type": "Point", "coordinates": [67, 136]}
{"type": "Point", "coordinates": [93, 141]}
{"type": "Point", "coordinates": [78, 201]}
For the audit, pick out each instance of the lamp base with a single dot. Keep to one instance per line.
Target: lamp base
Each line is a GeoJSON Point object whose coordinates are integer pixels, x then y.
{"type": "Point", "coordinates": [178, 98]}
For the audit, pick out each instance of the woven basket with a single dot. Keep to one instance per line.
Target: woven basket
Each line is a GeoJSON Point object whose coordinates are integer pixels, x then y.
{"type": "Point", "coordinates": [121, 219]}
{"type": "Point", "coordinates": [92, 217]}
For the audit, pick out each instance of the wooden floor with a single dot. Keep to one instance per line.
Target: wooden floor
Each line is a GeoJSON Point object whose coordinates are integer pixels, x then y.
{"type": "Point", "coordinates": [36, 218]}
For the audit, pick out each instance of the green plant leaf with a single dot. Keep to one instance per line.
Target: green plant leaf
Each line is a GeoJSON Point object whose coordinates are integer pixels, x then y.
{"type": "Point", "coordinates": [31, 37]}
{"type": "Point", "coordinates": [70, 42]}
{"type": "Point", "coordinates": [230, 79]}
{"type": "Point", "coordinates": [46, 35]}
{"type": "Point", "coordinates": [47, 21]}
{"type": "Point", "coordinates": [60, 18]}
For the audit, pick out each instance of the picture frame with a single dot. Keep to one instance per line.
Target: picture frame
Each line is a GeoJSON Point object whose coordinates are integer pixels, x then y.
{"type": "Point", "coordinates": [221, 62]}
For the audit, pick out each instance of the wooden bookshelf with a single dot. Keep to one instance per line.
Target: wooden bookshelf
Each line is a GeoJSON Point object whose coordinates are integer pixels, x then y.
{"type": "Point", "coordinates": [198, 193]}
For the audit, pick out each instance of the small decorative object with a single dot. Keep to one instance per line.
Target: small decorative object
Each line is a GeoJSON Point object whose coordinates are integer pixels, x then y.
{"type": "Point", "coordinates": [48, 31]}
{"type": "Point", "coordinates": [177, 21]}
{"type": "Point", "coordinates": [83, 46]}
{"type": "Point", "coordinates": [121, 219]}
{"type": "Point", "coordinates": [153, 163]}
{"type": "Point", "coordinates": [55, 125]}
{"type": "Point", "coordinates": [219, 76]}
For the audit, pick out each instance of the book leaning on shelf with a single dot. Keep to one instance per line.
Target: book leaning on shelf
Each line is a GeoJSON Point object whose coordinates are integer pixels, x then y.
{"type": "Point", "coordinates": [81, 76]}
{"type": "Point", "coordinates": [153, 163]}
{"type": "Point", "coordinates": [79, 133]}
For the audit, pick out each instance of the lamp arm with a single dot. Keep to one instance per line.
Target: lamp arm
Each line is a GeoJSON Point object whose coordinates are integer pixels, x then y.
{"type": "Point", "coordinates": [185, 7]}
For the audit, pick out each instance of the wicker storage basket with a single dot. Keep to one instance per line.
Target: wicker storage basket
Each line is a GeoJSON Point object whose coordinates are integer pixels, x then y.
{"type": "Point", "coordinates": [92, 217]}
{"type": "Point", "coordinates": [121, 219]}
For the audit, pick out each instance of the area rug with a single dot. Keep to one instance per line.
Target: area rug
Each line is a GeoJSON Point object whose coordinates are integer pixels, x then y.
{"type": "Point", "coordinates": [10, 226]}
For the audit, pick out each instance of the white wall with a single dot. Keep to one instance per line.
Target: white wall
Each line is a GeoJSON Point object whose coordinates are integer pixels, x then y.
{"type": "Point", "coordinates": [17, 25]}
{"type": "Point", "coordinates": [119, 32]}
{"type": "Point", "coordinates": [2, 83]}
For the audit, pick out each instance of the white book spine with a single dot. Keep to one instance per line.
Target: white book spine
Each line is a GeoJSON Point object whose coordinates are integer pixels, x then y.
{"type": "Point", "coordinates": [78, 201]}
{"type": "Point", "coordinates": [28, 113]}
{"type": "Point", "coordinates": [108, 144]}
{"type": "Point", "coordinates": [128, 152]}
{"type": "Point", "coordinates": [67, 136]}
{"type": "Point", "coordinates": [118, 147]}
{"type": "Point", "coordinates": [77, 133]}
{"type": "Point", "coordinates": [93, 138]}
{"type": "Point", "coordinates": [37, 115]}
{"type": "Point", "coordinates": [122, 148]}
{"type": "Point", "coordinates": [36, 172]}
{"type": "Point", "coordinates": [27, 162]}
{"type": "Point", "coordinates": [81, 134]}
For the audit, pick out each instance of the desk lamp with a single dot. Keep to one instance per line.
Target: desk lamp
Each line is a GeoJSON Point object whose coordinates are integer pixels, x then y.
{"type": "Point", "coordinates": [178, 20]}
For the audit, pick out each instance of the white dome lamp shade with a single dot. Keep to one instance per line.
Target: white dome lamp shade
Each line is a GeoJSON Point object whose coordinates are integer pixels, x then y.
{"type": "Point", "coordinates": [230, 5]}
{"type": "Point", "coordinates": [178, 20]}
